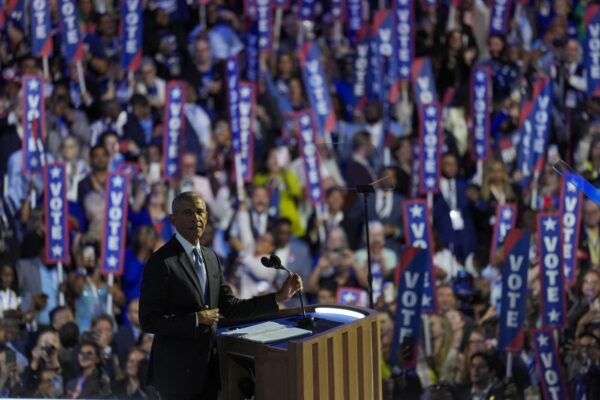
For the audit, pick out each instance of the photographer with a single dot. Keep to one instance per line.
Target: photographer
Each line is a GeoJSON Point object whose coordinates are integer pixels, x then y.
{"type": "Point", "coordinates": [337, 265]}
{"type": "Point", "coordinates": [44, 356]}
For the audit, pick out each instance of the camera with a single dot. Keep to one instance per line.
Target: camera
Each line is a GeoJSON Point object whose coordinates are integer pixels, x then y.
{"type": "Point", "coordinates": [49, 350]}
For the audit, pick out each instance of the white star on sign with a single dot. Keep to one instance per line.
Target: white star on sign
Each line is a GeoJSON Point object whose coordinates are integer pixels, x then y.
{"type": "Point", "coordinates": [549, 224]}
{"type": "Point", "coordinates": [349, 298]}
{"type": "Point", "coordinates": [543, 340]}
{"type": "Point", "coordinates": [426, 301]}
{"type": "Point", "coordinates": [56, 251]}
{"type": "Point", "coordinates": [480, 76]}
{"type": "Point", "coordinates": [567, 271]}
{"type": "Point", "coordinates": [416, 211]}
{"type": "Point", "coordinates": [118, 181]}
{"type": "Point", "coordinates": [55, 172]}
{"type": "Point", "coordinates": [33, 84]}
{"type": "Point", "coordinates": [176, 93]}
{"type": "Point", "coordinates": [33, 162]}
{"type": "Point", "coordinates": [480, 149]}
{"type": "Point", "coordinates": [507, 213]}
{"type": "Point", "coordinates": [430, 182]}
{"type": "Point", "coordinates": [553, 316]}
{"type": "Point", "coordinates": [172, 168]}
{"type": "Point", "coordinates": [404, 71]}
{"type": "Point", "coordinates": [112, 261]}
{"type": "Point", "coordinates": [571, 187]}
{"type": "Point", "coordinates": [316, 193]}
{"type": "Point", "coordinates": [431, 111]}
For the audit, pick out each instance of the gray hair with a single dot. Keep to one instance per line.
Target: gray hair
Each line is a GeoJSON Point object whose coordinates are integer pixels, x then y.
{"type": "Point", "coordinates": [184, 197]}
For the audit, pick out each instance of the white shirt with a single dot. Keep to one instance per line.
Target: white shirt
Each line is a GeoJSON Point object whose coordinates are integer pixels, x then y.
{"type": "Point", "coordinates": [448, 187]}
{"type": "Point", "coordinates": [189, 248]}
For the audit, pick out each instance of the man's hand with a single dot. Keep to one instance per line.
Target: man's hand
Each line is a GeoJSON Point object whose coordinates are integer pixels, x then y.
{"type": "Point", "coordinates": [208, 316]}
{"type": "Point", "coordinates": [292, 284]}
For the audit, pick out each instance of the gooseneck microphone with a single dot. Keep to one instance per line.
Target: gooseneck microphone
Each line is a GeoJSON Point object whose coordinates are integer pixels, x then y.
{"type": "Point", "coordinates": [275, 262]}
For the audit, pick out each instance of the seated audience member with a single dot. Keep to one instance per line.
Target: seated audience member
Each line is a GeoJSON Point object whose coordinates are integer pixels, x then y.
{"type": "Point", "coordinates": [92, 382]}
{"type": "Point", "coordinates": [132, 386]}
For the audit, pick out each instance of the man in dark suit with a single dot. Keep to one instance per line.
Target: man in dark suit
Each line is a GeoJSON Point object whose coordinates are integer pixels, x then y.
{"type": "Point", "coordinates": [183, 295]}
{"type": "Point", "coordinates": [453, 210]}
{"type": "Point", "coordinates": [128, 335]}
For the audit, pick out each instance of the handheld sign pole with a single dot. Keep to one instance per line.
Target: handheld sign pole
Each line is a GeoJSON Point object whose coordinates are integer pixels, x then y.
{"type": "Point", "coordinates": [202, 13]}
{"type": "Point", "coordinates": [61, 295]}
{"type": "Point", "coordinates": [534, 194]}
{"type": "Point", "coordinates": [427, 334]}
{"type": "Point", "coordinates": [509, 364]}
{"type": "Point", "coordinates": [46, 68]}
{"type": "Point", "coordinates": [109, 299]}
{"type": "Point", "coordinates": [277, 27]}
{"type": "Point", "coordinates": [81, 77]}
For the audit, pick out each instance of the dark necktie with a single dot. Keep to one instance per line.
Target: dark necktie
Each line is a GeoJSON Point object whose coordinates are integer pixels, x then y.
{"type": "Point", "coordinates": [200, 270]}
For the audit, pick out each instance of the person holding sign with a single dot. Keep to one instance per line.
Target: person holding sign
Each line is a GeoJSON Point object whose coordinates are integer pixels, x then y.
{"type": "Point", "coordinates": [183, 296]}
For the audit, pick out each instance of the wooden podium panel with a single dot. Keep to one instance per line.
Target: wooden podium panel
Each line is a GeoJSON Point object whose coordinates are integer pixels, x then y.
{"type": "Point", "coordinates": [342, 362]}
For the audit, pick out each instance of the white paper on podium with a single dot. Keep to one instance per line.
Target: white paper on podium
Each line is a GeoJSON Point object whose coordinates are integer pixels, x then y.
{"type": "Point", "coordinates": [267, 332]}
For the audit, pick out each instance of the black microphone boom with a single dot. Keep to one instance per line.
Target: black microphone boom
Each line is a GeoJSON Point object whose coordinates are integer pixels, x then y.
{"type": "Point", "coordinates": [275, 262]}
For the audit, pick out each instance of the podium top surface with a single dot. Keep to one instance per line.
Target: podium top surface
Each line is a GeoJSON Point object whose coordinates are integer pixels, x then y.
{"type": "Point", "coordinates": [326, 318]}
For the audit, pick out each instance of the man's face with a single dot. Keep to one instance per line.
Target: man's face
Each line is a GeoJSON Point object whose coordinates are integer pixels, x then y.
{"type": "Point", "coordinates": [335, 201]}
{"type": "Point", "coordinates": [133, 313]}
{"type": "Point", "coordinates": [203, 53]}
{"type": "Point", "coordinates": [99, 160]}
{"type": "Point", "coordinates": [46, 387]}
{"type": "Point", "coordinates": [591, 214]}
{"type": "Point", "coordinates": [11, 329]}
{"type": "Point", "coordinates": [446, 298]}
{"type": "Point", "coordinates": [260, 200]}
{"type": "Point", "coordinates": [590, 286]}
{"type": "Point", "coordinates": [449, 166]}
{"type": "Point", "coordinates": [133, 362]}
{"type": "Point", "coordinates": [188, 165]}
{"type": "Point", "coordinates": [141, 111]}
{"type": "Point", "coordinates": [61, 318]}
{"type": "Point", "coordinates": [495, 47]}
{"type": "Point", "coordinates": [479, 371]}
{"type": "Point", "coordinates": [189, 218]}
{"type": "Point", "coordinates": [572, 51]}
{"type": "Point", "coordinates": [587, 347]}
{"type": "Point", "coordinates": [325, 296]}
{"type": "Point", "coordinates": [283, 233]}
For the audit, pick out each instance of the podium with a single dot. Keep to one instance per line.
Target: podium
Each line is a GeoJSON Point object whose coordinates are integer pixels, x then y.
{"type": "Point", "coordinates": [340, 359]}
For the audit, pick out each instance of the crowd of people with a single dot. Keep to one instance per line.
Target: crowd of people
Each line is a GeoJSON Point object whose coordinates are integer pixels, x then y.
{"type": "Point", "coordinates": [83, 349]}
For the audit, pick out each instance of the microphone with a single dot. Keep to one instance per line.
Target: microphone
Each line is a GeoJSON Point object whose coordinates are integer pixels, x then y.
{"type": "Point", "coordinates": [266, 262]}
{"type": "Point", "coordinates": [275, 262]}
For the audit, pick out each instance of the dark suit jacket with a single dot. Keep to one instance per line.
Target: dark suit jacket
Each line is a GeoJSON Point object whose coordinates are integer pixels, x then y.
{"type": "Point", "coordinates": [124, 342]}
{"type": "Point", "coordinates": [183, 359]}
{"type": "Point", "coordinates": [464, 241]}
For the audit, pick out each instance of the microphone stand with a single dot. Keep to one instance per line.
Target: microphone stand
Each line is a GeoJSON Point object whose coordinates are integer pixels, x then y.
{"type": "Point", "coordinates": [365, 190]}
{"type": "Point", "coordinates": [305, 321]}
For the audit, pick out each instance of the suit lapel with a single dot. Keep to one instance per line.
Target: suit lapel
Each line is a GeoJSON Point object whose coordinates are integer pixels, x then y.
{"type": "Point", "coordinates": [188, 268]}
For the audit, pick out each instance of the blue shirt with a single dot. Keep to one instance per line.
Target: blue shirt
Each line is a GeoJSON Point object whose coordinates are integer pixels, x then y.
{"type": "Point", "coordinates": [19, 182]}
{"type": "Point", "coordinates": [49, 283]}
{"type": "Point", "coordinates": [92, 302]}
